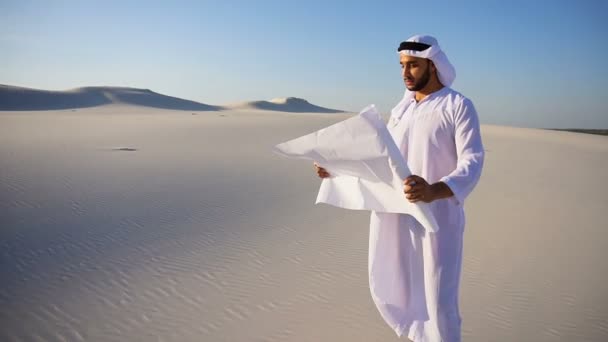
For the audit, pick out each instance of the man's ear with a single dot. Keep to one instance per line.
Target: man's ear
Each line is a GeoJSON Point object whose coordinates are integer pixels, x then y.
{"type": "Point", "coordinates": [432, 65]}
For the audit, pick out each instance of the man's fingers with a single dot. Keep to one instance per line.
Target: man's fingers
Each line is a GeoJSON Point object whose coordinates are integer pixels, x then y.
{"type": "Point", "coordinates": [321, 170]}
{"type": "Point", "coordinates": [322, 173]}
{"type": "Point", "coordinates": [413, 195]}
{"type": "Point", "coordinates": [412, 180]}
{"type": "Point", "coordinates": [412, 188]}
{"type": "Point", "coordinates": [413, 177]}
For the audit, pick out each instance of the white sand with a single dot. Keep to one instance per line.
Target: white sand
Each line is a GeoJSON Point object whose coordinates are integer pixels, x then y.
{"type": "Point", "coordinates": [202, 234]}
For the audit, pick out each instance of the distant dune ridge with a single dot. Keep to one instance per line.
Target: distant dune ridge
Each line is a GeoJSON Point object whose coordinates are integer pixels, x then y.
{"type": "Point", "coordinates": [285, 104]}
{"type": "Point", "coordinates": [19, 98]}
{"type": "Point", "coordinates": [13, 98]}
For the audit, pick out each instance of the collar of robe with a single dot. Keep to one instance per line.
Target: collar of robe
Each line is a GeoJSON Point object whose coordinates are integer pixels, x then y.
{"type": "Point", "coordinates": [424, 46]}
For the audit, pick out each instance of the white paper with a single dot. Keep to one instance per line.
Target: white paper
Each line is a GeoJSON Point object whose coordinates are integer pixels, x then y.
{"type": "Point", "coordinates": [366, 167]}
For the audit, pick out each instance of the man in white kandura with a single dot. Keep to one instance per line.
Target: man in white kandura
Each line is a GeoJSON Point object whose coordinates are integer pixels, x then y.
{"type": "Point", "coordinates": [414, 274]}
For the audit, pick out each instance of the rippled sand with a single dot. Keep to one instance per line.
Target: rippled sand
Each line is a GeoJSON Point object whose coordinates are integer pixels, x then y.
{"type": "Point", "coordinates": [126, 224]}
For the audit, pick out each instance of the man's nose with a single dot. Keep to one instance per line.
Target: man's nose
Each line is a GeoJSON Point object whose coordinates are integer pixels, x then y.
{"type": "Point", "coordinates": [405, 72]}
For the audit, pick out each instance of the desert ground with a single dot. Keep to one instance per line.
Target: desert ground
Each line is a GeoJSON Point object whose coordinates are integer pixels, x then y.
{"type": "Point", "coordinates": [121, 222]}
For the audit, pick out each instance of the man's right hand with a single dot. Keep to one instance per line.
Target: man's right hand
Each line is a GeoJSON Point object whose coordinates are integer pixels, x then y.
{"type": "Point", "coordinates": [321, 172]}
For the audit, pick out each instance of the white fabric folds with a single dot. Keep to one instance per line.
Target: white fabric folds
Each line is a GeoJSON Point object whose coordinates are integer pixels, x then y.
{"type": "Point", "coordinates": [445, 70]}
{"type": "Point", "coordinates": [366, 167]}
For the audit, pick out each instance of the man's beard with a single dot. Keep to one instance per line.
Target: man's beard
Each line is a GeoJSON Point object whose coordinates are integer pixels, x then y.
{"type": "Point", "coordinates": [422, 82]}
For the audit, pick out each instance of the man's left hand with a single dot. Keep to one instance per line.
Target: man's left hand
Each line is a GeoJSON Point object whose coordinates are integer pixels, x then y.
{"type": "Point", "coordinates": [418, 189]}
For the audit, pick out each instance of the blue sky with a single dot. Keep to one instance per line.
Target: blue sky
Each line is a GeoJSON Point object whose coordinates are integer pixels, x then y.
{"type": "Point", "coordinates": [523, 63]}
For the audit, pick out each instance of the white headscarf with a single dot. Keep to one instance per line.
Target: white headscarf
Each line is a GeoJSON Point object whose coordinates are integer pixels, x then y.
{"type": "Point", "coordinates": [445, 69]}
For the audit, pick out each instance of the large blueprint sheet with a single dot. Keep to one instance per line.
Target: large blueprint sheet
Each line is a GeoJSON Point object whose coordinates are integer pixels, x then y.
{"type": "Point", "coordinates": [366, 167]}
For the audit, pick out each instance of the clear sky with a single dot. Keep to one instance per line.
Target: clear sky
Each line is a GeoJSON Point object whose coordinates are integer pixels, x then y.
{"type": "Point", "coordinates": [523, 63]}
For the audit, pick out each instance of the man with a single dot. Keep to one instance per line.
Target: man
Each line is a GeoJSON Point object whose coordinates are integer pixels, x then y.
{"type": "Point", "coordinates": [414, 274]}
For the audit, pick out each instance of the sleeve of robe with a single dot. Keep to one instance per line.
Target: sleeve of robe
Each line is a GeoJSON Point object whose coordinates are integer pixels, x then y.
{"type": "Point", "coordinates": [469, 150]}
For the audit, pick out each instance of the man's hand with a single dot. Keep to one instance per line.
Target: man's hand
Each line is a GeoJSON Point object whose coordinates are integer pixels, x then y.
{"type": "Point", "coordinates": [321, 172]}
{"type": "Point", "coordinates": [417, 189]}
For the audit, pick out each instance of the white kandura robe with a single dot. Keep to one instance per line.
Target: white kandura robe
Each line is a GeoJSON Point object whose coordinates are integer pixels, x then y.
{"type": "Point", "coordinates": [414, 274]}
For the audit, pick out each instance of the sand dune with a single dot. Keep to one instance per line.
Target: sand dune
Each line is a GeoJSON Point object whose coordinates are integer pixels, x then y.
{"type": "Point", "coordinates": [18, 98]}
{"type": "Point", "coordinates": [149, 226]}
{"type": "Point", "coordinates": [14, 98]}
{"type": "Point", "coordinates": [285, 104]}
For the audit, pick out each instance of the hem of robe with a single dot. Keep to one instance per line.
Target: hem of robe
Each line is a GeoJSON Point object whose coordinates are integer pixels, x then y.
{"type": "Point", "coordinates": [400, 329]}
{"type": "Point", "coordinates": [406, 324]}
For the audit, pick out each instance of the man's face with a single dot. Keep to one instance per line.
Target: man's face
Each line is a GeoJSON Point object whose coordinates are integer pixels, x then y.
{"type": "Point", "coordinates": [416, 72]}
